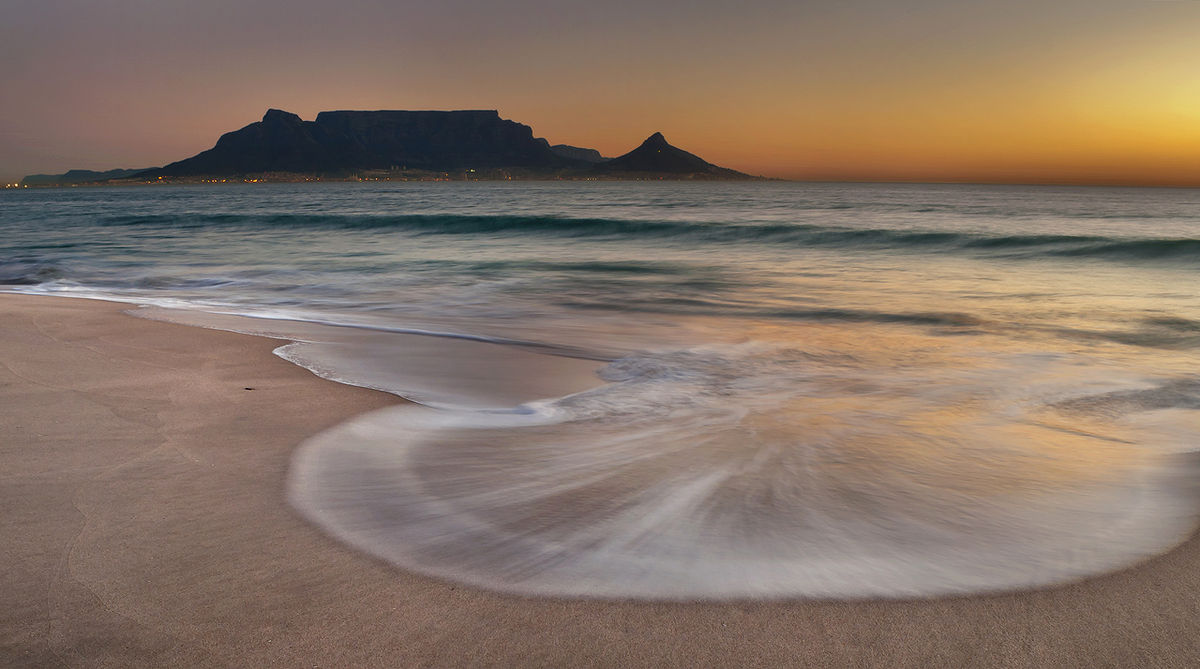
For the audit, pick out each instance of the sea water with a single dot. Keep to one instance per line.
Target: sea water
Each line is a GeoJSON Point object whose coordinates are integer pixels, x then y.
{"type": "Point", "coordinates": [697, 390]}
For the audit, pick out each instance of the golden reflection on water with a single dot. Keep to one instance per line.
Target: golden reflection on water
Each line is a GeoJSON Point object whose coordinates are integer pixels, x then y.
{"type": "Point", "coordinates": [986, 438]}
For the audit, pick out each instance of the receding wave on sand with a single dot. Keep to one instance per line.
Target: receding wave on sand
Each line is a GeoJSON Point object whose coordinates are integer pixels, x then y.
{"type": "Point", "coordinates": [701, 475]}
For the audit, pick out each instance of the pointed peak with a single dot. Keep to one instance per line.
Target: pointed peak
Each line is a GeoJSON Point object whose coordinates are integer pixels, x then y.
{"type": "Point", "coordinates": [656, 139]}
{"type": "Point", "coordinates": [278, 115]}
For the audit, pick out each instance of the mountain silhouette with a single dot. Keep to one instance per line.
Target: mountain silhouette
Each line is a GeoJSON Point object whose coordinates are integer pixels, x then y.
{"type": "Point", "coordinates": [373, 144]}
{"type": "Point", "coordinates": [657, 156]}
{"type": "Point", "coordinates": [72, 177]}
{"type": "Point", "coordinates": [345, 141]}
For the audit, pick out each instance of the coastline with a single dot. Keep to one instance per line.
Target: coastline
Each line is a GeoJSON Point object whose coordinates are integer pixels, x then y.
{"type": "Point", "coordinates": [144, 487]}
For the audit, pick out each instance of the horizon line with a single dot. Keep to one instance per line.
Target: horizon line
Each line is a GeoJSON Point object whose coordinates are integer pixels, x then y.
{"type": "Point", "coordinates": [16, 185]}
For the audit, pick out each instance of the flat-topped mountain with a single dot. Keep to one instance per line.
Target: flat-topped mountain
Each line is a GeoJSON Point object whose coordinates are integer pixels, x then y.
{"type": "Point", "coordinates": [342, 141]}
{"type": "Point", "coordinates": [407, 144]}
{"type": "Point", "coordinates": [657, 156]}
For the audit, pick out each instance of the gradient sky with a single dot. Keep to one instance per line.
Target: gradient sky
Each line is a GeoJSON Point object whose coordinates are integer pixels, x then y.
{"type": "Point", "coordinates": [1066, 91]}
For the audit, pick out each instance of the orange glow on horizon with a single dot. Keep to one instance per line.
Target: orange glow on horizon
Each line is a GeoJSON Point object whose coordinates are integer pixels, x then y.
{"type": "Point", "coordinates": [1074, 92]}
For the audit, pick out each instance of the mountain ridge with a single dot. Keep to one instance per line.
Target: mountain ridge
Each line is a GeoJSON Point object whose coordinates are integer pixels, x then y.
{"type": "Point", "coordinates": [343, 141]}
{"type": "Point", "coordinates": [346, 144]}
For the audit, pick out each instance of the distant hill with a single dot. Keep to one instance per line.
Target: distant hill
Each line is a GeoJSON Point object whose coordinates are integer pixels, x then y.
{"type": "Point", "coordinates": [657, 156]}
{"type": "Point", "coordinates": [73, 177]}
{"type": "Point", "coordinates": [577, 153]}
{"type": "Point", "coordinates": [344, 141]}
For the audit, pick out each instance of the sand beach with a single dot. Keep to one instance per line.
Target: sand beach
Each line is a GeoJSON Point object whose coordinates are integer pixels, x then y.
{"type": "Point", "coordinates": [145, 524]}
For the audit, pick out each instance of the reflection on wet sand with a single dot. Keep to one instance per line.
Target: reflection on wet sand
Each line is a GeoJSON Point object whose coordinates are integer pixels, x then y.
{"type": "Point", "coordinates": [840, 462]}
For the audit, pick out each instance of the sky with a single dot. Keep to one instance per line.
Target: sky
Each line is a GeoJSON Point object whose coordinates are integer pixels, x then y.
{"type": "Point", "coordinates": [1055, 91]}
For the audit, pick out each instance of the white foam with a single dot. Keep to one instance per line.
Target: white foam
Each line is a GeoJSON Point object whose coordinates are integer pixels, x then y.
{"type": "Point", "coordinates": [690, 480]}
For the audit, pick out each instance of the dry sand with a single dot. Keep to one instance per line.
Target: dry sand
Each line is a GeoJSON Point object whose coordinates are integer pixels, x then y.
{"type": "Point", "coordinates": [143, 523]}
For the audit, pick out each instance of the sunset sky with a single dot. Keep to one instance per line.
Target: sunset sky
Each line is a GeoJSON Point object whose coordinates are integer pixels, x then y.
{"type": "Point", "coordinates": [1064, 91]}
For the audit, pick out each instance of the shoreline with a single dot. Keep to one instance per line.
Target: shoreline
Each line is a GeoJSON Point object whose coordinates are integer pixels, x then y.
{"type": "Point", "coordinates": [145, 489]}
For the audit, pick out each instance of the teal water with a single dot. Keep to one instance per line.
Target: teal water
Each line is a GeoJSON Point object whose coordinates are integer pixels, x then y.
{"type": "Point", "coordinates": [683, 391]}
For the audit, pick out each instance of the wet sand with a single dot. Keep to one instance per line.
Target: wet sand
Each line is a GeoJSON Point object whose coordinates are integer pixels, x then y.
{"type": "Point", "coordinates": [144, 523]}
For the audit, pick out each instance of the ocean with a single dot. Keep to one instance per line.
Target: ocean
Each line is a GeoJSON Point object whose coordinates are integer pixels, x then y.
{"type": "Point", "coordinates": [696, 391]}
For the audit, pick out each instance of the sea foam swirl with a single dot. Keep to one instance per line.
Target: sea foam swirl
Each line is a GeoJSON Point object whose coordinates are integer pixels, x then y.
{"type": "Point", "coordinates": [761, 472]}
